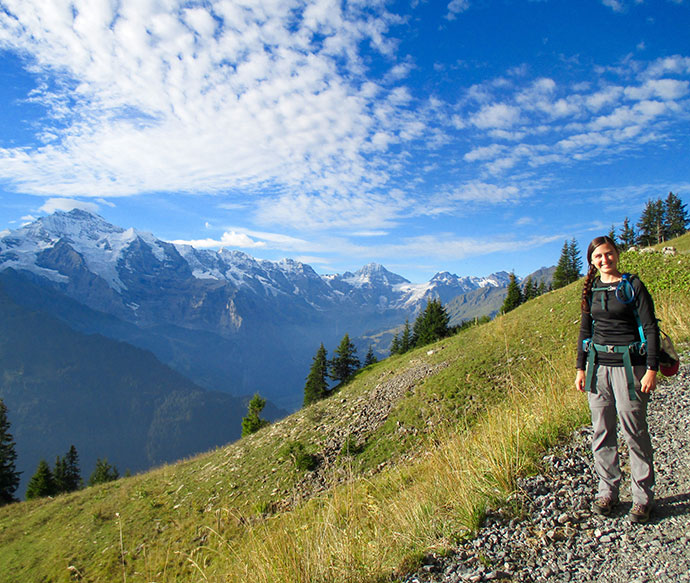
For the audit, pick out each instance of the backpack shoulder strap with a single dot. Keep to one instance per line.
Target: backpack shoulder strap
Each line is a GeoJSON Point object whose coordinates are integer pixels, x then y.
{"type": "Point", "coordinates": [628, 278]}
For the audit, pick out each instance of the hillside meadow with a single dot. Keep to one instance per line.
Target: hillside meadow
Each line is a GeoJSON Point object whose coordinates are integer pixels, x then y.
{"type": "Point", "coordinates": [468, 416]}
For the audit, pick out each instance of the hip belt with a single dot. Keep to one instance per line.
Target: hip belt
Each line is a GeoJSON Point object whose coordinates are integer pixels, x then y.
{"type": "Point", "coordinates": [591, 348]}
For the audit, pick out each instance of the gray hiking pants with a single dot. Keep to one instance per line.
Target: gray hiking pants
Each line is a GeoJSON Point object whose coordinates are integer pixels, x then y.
{"type": "Point", "coordinates": [612, 396]}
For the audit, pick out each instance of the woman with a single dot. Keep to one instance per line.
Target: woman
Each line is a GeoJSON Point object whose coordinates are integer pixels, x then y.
{"type": "Point", "coordinates": [619, 372]}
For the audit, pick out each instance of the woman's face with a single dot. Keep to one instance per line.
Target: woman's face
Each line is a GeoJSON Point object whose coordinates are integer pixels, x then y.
{"type": "Point", "coordinates": [605, 259]}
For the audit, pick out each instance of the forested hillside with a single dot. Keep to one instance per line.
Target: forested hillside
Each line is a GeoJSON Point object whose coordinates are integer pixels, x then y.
{"type": "Point", "coordinates": [107, 398]}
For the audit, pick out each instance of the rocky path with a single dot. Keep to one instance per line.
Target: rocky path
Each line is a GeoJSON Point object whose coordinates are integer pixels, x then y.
{"type": "Point", "coordinates": [559, 540]}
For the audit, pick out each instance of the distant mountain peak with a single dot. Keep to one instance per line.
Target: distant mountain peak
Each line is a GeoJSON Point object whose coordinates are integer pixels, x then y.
{"type": "Point", "coordinates": [374, 273]}
{"type": "Point", "coordinates": [75, 224]}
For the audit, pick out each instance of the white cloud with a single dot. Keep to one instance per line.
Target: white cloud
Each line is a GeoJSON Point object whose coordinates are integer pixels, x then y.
{"type": "Point", "coordinates": [487, 193]}
{"type": "Point", "coordinates": [447, 246]}
{"type": "Point", "coordinates": [607, 96]}
{"type": "Point", "coordinates": [484, 153]}
{"type": "Point", "coordinates": [525, 221]}
{"type": "Point", "coordinates": [499, 115]}
{"type": "Point", "coordinates": [672, 65]}
{"type": "Point", "coordinates": [541, 123]}
{"type": "Point", "coordinates": [311, 212]}
{"type": "Point", "coordinates": [152, 99]}
{"type": "Point", "coordinates": [228, 239]}
{"type": "Point", "coordinates": [665, 89]}
{"type": "Point", "coordinates": [239, 237]}
{"type": "Point", "coordinates": [615, 5]}
{"type": "Point", "coordinates": [67, 204]}
{"type": "Point", "coordinates": [456, 7]}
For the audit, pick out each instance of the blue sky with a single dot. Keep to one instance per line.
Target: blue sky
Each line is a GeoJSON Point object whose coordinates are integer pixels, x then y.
{"type": "Point", "coordinates": [468, 136]}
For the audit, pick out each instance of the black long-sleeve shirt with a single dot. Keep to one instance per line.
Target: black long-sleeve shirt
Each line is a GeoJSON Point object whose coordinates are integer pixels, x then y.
{"type": "Point", "coordinates": [615, 324]}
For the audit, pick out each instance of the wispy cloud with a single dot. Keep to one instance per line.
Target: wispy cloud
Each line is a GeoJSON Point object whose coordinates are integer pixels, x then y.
{"type": "Point", "coordinates": [67, 204]}
{"type": "Point", "coordinates": [560, 124]}
{"type": "Point", "coordinates": [307, 117]}
{"type": "Point", "coordinates": [144, 97]}
{"type": "Point", "coordinates": [456, 7]}
{"type": "Point", "coordinates": [249, 239]}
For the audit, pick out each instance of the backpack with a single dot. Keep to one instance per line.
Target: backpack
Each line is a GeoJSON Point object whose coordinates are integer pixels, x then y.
{"type": "Point", "coordinates": [669, 361]}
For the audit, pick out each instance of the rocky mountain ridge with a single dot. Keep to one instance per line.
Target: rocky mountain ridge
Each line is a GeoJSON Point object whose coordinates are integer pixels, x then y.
{"type": "Point", "coordinates": [227, 320]}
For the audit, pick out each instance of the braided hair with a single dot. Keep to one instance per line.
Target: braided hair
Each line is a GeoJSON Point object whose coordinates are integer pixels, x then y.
{"type": "Point", "coordinates": [592, 271]}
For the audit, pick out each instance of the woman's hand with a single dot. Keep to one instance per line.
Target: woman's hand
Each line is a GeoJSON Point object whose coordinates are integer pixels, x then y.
{"type": "Point", "coordinates": [580, 380]}
{"type": "Point", "coordinates": [648, 381]}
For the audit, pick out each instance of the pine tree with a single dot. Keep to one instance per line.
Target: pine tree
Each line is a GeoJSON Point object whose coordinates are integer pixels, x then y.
{"type": "Point", "coordinates": [370, 358]}
{"type": "Point", "coordinates": [66, 473]}
{"type": "Point", "coordinates": [317, 384]}
{"type": "Point", "coordinates": [651, 226]}
{"type": "Point", "coordinates": [345, 362]}
{"type": "Point", "coordinates": [574, 261]}
{"type": "Point", "coordinates": [395, 346]}
{"type": "Point", "coordinates": [514, 297]}
{"type": "Point", "coordinates": [569, 265]}
{"type": "Point", "coordinates": [103, 472]}
{"type": "Point", "coordinates": [406, 339]}
{"type": "Point", "coordinates": [628, 238]}
{"type": "Point", "coordinates": [612, 234]}
{"type": "Point", "coordinates": [560, 275]}
{"type": "Point", "coordinates": [41, 483]}
{"type": "Point", "coordinates": [9, 476]}
{"type": "Point", "coordinates": [431, 324]}
{"type": "Point", "coordinates": [59, 473]}
{"type": "Point", "coordinates": [252, 422]}
{"type": "Point", "coordinates": [676, 216]}
{"type": "Point", "coordinates": [529, 289]}
{"type": "Point", "coordinates": [541, 288]}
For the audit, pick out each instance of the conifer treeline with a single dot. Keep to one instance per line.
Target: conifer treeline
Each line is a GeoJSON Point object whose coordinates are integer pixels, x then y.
{"type": "Point", "coordinates": [340, 369]}
{"type": "Point", "coordinates": [431, 325]}
{"type": "Point", "coordinates": [64, 477]}
{"type": "Point", "coordinates": [9, 476]}
{"type": "Point", "coordinates": [660, 221]}
{"type": "Point", "coordinates": [517, 295]}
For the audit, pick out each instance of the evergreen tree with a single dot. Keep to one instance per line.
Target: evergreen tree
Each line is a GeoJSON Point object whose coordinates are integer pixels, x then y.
{"type": "Point", "coordinates": [529, 289]}
{"type": "Point", "coordinates": [59, 473]}
{"type": "Point", "coordinates": [651, 226]}
{"type": "Point", "coordinates": [407, 342]}
{"type": "Point", "coordinates": [541, 288]}
{"type": "Point", "coordinates": [569, 265]}
{"type": "Point", "coordinates": [345, 362]}
{"type": "Point", "coordinates": [575, 261]}
{"type": "Point", "coordinates": [676, 216]}
{"type": "Point", "coordinates": [41, 483]}
{"type": "Point", "coordinates": [103, 472]}
{"type": "Point", "coordinates": [612, 234]}
{"type": "Point", "coordinates": [431, 324]}
{"type": "Point", "coordinates": [317, 384]}
{"type": "Point", "coordinates": [514, 297]}
{"type": "Point", "coordinates": [560, 275]}
{"type": "Point", "coordinates": [395, 346]}
{"type": "Point", "coordinates": [66, 473]}
{"type": "Point", "coordinates": [370, 358]}
{"type": "Point", "coordinates": [628, 238]}
{"type": "Point", "coordinates": [252, 422]}
{"type": "Point", "coordinates": [9, 476]}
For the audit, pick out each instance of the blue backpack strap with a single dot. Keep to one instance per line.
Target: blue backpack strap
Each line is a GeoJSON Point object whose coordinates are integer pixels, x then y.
{"type": "Point", "coordinates": [629, 298]}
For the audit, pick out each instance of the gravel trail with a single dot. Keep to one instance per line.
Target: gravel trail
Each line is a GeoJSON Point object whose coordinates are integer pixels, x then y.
{"type": "Point", "coordinates": [559, 540]}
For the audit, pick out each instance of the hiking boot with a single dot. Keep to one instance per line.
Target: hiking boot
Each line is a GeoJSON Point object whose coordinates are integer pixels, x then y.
{"type": "Point", "coordinates": [604, 505]}
{"type": "Point", "coordinates": [640, 513]}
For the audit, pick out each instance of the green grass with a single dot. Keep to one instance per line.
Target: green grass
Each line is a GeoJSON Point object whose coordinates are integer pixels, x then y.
{"type": "Point", "coordinates": [455, 443]}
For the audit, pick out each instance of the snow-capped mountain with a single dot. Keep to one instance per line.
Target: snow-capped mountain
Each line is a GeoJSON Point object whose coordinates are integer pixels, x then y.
{"type": "Point", "coordinates": [255, 324]}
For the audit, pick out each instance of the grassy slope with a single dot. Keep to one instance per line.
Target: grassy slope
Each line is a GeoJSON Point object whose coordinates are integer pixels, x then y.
{"type": "Point", "coordinates": [452, 445]}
